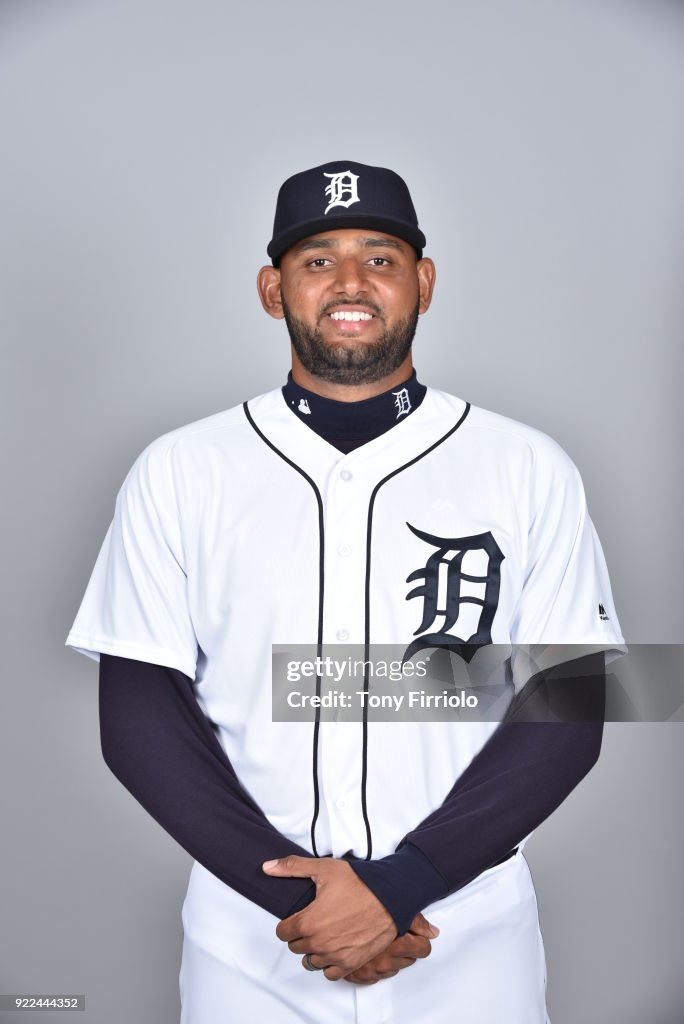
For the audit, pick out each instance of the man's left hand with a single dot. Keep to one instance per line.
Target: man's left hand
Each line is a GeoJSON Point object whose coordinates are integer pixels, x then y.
{"type": "Point", "coordinates": [344, 927]}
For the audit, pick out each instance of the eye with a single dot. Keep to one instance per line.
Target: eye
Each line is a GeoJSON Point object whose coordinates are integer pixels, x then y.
{"type": "Point", "coordinates": [319, 261]}
{"type": "Point", "coordinates": [379, 261]}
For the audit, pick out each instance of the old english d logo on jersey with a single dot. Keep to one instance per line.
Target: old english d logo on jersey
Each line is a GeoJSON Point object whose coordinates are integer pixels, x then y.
{"type": "Point", "coordinates": [342, 190]}
{"type": "Point", "coordinates": [460, 592]}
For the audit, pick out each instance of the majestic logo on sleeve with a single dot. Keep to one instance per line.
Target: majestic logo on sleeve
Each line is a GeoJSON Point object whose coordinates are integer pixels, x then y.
{"type": "Point", "coordinates": [402, 402]}
{"type": "Point", "coordinates": [342, 190]}
{"type": "Point", "coordinates": [460, 593]}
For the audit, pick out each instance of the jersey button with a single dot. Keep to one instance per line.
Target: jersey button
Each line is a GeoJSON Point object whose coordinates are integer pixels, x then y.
{"type": "Point", "coordinates": [345, 475]}
{"type": "Point", "coordinates": [344, 549]}
{"type": "Point", "coordinates": [341, 805]}
{"type": "Point", "coordinates": [342, 634]}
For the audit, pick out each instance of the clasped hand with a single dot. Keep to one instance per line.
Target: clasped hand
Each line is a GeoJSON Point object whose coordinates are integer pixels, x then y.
{"type": "Point", "coordinates": [346, 930]}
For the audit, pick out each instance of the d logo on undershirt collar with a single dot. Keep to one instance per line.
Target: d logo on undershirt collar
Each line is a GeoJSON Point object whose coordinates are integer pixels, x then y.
{"type": "Point", "coordinates": [402, 402]}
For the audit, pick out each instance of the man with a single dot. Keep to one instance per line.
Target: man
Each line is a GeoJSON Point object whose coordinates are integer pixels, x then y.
{"type": "Point", "coordinates": [353, 506]}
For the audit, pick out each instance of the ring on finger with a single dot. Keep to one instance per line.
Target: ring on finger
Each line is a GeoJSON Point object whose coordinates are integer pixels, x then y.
{"type": "Point", "coordinates": [308, 963]}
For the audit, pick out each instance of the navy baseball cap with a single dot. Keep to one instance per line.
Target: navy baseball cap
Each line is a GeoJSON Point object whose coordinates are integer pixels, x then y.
{"type": "Point", "coordinates": [343, 194]}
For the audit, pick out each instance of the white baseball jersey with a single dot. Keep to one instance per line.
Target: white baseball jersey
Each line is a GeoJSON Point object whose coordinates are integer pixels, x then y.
{"type": "Point", "coordinates": [246, 529]}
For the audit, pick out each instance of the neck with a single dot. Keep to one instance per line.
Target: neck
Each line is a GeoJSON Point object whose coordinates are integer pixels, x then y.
{"type": "Point", "coordinates": [349, 392]}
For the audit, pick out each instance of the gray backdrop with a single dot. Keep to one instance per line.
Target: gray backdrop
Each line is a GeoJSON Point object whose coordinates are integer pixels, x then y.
{"type": "Point", "coordinates": [143, 144]}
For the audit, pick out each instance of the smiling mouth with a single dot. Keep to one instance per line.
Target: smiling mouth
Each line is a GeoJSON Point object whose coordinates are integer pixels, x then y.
{"type": "Point", "coordinates": [354, 317]}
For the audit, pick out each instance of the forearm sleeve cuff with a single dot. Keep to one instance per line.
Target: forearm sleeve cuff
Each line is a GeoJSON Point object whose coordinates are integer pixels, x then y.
{"type": "Point", "coordinates": [405, 882]}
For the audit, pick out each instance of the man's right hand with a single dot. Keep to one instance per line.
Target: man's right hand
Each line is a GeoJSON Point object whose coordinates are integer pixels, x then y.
{"type": "Point", "coordinates": [402, 952]}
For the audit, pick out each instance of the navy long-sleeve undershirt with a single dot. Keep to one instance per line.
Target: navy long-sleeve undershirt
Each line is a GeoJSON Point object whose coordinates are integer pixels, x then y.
{"type": "Point", "coordinates": [159, 743]}
{"type": "Point", "coordinates": [522, 774]}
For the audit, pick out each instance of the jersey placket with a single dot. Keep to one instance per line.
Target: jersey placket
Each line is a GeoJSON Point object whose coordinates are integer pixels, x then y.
{"type": "Point", "coordinates": [340, 753]}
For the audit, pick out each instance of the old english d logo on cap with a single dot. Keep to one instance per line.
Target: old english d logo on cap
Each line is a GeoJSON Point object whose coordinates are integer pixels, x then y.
{"type": "Point", "coordinates": [342, 190]}
{"type": "Point", "coordinates": [343, 194]}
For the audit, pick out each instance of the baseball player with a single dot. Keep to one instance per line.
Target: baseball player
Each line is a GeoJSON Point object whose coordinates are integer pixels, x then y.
{"type": "Point", "coordinates": [353, 506]}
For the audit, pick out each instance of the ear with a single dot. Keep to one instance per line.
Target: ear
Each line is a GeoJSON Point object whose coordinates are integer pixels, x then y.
{"type": "Point", "coordinates": [426, 282]}
{"type": "Point", "coordinates": [268, 286]}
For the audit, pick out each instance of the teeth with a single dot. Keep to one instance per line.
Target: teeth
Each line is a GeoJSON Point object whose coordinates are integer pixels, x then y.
{"type": "Point", "coordinates": [352, 317]}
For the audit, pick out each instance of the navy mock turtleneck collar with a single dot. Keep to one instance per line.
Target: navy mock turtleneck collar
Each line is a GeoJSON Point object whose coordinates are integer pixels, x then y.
{"type": "Point", "coordinates": [347, 425]}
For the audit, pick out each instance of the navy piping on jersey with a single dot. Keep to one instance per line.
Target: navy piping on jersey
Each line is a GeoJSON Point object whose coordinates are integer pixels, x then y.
{"type": "Point", "coordinates": [395, 472]}
{"type": "Point", "coordinates": [321, 582]}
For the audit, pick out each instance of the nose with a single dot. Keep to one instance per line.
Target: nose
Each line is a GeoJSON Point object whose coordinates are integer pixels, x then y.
{"type": "Point", "coordinates": [350, 276]}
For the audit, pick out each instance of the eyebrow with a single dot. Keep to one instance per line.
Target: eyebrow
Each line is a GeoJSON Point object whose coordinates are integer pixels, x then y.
{"type": "Point", "coordinates": [331, 243]}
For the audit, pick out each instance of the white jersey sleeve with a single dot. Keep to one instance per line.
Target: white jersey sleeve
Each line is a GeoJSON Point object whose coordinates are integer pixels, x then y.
{"type": "Point", "coordinates": [136, 601]}
{"type": "Point", "coordinates": [566, 598]}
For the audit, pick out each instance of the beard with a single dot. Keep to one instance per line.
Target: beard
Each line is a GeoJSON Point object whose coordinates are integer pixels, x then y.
{"type": "Point", "coordinates": [348, 363]}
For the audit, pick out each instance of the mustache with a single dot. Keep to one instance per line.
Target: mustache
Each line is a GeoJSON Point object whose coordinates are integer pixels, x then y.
{"type": "Point", "coordinates": [377, 310]}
